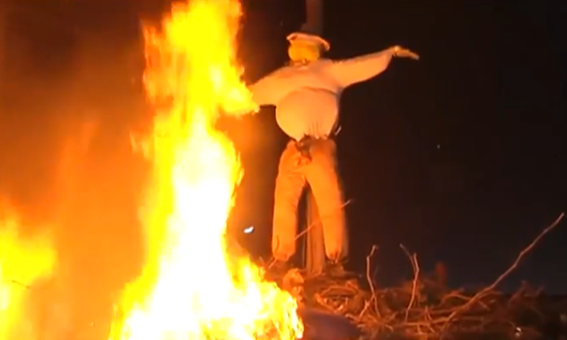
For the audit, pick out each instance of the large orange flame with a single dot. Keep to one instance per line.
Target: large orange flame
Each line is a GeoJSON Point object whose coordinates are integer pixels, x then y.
{"type": "Point", "coordinates": [193, 286]}
{"type": "Point", "coordinates": [23, 262]}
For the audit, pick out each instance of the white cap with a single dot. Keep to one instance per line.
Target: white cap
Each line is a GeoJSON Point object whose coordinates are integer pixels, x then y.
{"type": "Point", "coordinates": [314, 38]}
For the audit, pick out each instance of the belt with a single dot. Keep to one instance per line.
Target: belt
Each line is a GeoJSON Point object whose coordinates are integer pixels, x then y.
{"type": "Point", "coordinates": [304, 145]}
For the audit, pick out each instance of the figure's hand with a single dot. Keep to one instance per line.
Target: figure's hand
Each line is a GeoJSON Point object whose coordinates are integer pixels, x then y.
{"type": "Point", "coordinates": [402, 52]}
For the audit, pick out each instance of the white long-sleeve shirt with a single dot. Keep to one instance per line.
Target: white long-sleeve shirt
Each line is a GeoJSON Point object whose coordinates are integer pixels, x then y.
{"type": "Point", "coordinates": [307, 96]}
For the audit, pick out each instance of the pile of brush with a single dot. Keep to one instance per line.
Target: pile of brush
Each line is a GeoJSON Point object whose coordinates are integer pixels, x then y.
{"type": "Point", "coordinates": [424, 308]}
{"type": "Point", "coordinates": [426, 311]}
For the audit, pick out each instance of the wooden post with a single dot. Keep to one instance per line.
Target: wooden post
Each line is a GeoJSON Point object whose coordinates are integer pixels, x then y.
{"type": "Point", "coordinates": [315, 245]}
{"type": "Point", "coordinates": [314, 16]}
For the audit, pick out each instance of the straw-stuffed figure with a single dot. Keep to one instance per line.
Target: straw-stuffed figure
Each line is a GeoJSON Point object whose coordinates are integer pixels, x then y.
{"type": "Point", "coordinates": [306, 94]}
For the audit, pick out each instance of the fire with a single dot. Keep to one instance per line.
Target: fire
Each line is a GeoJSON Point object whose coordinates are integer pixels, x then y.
{"type": "Point", "coordinates": [193, 285]}
{"type": "Point", "coordinates": [23, 261]}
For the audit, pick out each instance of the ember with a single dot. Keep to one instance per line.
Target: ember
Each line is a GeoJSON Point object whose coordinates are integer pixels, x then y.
{"type": "Point", "coordinates": [193, 285]}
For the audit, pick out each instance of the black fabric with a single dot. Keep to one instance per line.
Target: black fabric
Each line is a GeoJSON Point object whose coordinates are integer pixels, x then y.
{"type": "Point", "coordinates": [304, 146]}
{"type": "Point", "coordinates": [324, 326]}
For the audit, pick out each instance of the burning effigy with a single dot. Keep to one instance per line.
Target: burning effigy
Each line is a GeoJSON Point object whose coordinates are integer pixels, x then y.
{"type": "Point", "coordinates": [193, 285]}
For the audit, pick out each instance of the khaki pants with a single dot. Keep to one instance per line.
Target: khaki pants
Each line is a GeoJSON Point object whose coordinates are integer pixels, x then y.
{"type": "Point", "coordinates": [321, 173]}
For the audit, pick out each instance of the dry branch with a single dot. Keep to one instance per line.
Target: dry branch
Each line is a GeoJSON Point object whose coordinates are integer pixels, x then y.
{"type": "Point", "coordinates": [514, 265]}
{"type": "Point", "coordinates": [304, 232]}
{"type": "Point", "coordinates": [415, 266]}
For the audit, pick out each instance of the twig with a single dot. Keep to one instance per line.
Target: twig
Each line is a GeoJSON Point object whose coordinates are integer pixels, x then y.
{"type": "Point", "coordinates": [373, 298]}
{"type": "Point", "coordinates": [314, 223]}
{"type": "Point", "coordinates": [483, 292]}
{"type": "Point", "coordinates": [457, 294]}
{"type": "Point", "coordinates": [305, 231]}
{"type": "Point", "coordinates": [415, 267]}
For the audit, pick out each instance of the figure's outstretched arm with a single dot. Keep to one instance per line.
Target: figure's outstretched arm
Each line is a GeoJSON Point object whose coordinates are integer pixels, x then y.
{"type": "Point", "coordinates": [265, 91]}
{"type": "Point", "coordinates": [355, 70]}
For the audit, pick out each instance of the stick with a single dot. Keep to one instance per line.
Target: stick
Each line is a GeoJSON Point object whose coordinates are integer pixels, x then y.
{"type": "Point", "coordinates": [373, 299]}
{"type": "Point", "coordinates": [306, 230]}
{"type": "Point", "coordinates": [273, 261]}
{"type": "Point", "coordinates": [415, 267]}
{"type": "Point", "coordinates": [483, 292]}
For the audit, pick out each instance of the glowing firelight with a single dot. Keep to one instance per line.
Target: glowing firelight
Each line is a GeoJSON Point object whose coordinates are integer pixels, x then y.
{"type": "Point", "coordinates": [193, 285]}
{"type": "Point", "coordinates": [23, 261]}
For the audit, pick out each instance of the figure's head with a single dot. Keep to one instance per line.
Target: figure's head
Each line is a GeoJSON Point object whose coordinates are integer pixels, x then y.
{"type": "Point", "coordinates": [305, 47]}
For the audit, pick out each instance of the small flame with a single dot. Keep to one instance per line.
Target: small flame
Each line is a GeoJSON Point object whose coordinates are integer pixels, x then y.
{"type": "Point", "coordinates": [193, 285]}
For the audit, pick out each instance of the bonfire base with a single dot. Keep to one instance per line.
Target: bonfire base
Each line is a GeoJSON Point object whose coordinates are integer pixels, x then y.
{"type": "Point", "coordinates": [424, 308]}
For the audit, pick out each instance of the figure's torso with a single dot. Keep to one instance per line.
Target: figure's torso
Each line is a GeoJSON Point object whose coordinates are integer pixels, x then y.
{"type": "Point", "coordinates": [308, 101]}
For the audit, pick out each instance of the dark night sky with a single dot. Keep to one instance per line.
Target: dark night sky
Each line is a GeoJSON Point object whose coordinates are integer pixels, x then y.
{"type": "Point", "coordinates": [459, 156]}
